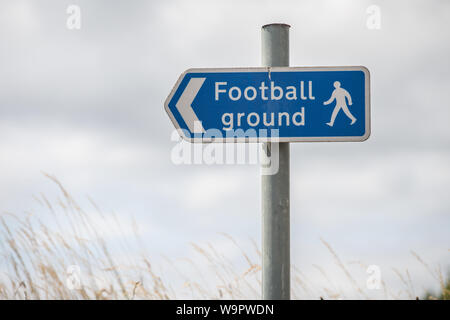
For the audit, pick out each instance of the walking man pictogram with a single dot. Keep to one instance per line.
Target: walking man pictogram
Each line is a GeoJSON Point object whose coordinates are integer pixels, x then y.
{"type": "Point", "coordinates": [339, 94]}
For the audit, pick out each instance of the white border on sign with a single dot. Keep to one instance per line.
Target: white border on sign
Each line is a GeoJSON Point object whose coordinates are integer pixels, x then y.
{"type": "Point", "coordinates": [278, 139]}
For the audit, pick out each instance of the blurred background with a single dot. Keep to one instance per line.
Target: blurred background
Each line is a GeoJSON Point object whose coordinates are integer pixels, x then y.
{"type": "Point", "coordinates": [85, 105]}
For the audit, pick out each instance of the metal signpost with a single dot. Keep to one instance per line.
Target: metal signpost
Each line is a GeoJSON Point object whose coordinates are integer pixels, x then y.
{"type": "Point", "coordinates": [274, 103]}
{"type": "Point", "coordinates": [275, 196]}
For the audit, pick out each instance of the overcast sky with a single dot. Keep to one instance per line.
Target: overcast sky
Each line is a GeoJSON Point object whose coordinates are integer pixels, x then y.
{"type": "Point", "coordinates": [87, 106]}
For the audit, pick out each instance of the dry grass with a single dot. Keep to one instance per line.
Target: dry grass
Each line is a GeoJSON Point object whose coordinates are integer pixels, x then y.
{"type": "Point", "coordinates": [37, 250]}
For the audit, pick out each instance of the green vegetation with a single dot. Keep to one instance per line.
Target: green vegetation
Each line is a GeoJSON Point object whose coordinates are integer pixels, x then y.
{"type": "Point", "coordinates": [444, 294]}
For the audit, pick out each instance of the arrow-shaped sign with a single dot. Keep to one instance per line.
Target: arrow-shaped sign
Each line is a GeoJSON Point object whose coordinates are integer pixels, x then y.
{"type": "Point", "coordinates": [272, 104]}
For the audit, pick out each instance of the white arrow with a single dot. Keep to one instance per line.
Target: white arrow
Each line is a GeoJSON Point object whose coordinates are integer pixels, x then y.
{"type": "Point", "coordinates": [184, 105]}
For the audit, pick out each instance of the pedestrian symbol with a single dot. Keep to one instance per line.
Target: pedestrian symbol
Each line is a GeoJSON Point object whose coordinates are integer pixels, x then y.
{"type": "Point", "coordinates": [339, 94]}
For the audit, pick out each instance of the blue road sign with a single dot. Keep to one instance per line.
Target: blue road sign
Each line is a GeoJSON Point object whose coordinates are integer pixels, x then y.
{"type": "Point", "coordinates": [283, 104]}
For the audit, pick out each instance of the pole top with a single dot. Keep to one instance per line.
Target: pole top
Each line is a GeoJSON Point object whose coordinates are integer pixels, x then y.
{"type": "Point", "coordinates": [275, 24]}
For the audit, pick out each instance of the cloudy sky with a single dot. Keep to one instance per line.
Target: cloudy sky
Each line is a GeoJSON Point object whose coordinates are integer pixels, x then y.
{"type": "Point", "coordinates": [87, 107]}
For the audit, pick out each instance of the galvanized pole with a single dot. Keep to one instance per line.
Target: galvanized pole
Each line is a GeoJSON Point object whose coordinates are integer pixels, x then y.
{"type": "Point", "coordinates": [275, 188]}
